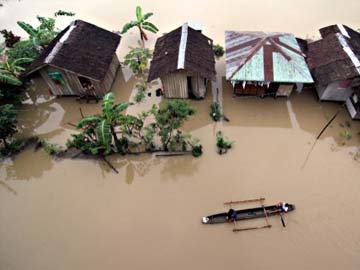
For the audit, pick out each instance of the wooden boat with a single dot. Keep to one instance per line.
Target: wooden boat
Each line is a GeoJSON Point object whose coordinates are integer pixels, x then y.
{"type": "Point", "coordinates": [244, 214]}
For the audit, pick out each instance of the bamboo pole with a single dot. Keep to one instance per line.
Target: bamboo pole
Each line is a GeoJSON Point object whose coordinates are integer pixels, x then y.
{"type": "Point", "coordinates": [245, 201]}
{"type": "Point", "coordinates": [266, 215]}
{"type": "Point", "coordinates": [252, 228]}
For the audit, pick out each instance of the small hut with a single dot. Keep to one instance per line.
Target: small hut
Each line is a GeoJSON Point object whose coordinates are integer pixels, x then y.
{"type": "Point", "coordinates": [265, 64]}
{"type": "Point", "coordinates": [80, 61]}
{"type": "Point", "coordinates": [334, 62]}
{"type": "Point", "coordinates": [185, 63]}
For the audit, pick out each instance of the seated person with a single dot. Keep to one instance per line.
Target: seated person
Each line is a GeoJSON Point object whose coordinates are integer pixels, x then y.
{"type": "Point", "coordinates": [283, 207]}
{"type": "Point", "coordinates": [231, 215]}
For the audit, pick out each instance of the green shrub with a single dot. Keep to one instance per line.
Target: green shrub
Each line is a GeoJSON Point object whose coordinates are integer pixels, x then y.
{"type": "Point", "coordinates": [346, 136]}
{"type": "Point", "coordinates": [222, 143]}
{"type": "Point", "coordinates": [137, 59]}
{"type": "Point", "coordinates": [215, 111]}
{"type": "Point", "coordinates": [50, 148]}
{"type": "Point", "coordinates": [197, 150]}
{"type": "Point", "coordinates": [140, 94]}
{"type": "Point", "coordinates": [218, 50]}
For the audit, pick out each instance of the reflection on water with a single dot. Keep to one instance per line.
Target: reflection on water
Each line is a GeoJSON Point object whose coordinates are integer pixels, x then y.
{"type": "Point", "coordinates": [148, 215]}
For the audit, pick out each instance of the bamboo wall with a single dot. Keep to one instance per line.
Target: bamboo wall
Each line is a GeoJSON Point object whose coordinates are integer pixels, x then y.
{"type": "Point", "coordinates": [176, 85]}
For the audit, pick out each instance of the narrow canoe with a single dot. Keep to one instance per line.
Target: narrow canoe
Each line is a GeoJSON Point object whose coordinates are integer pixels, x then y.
{"type": "Point", "coordinates": [245, 214]}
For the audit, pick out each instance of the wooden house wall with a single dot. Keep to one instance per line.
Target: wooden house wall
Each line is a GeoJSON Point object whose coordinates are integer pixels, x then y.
{"type": "Point", "coordinates": [332, 92]}
{"type": "Point", "coordinates": [175, 85]}
{"type": "Point", "coordinates": [73, 87]}
{"type": "Point", "coordinates": [56, 89]}
{"type": "Point", "coordinates": [109, 79]}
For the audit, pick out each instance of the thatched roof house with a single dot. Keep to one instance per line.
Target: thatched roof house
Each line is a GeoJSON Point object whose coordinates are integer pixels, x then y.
{"type": "Point", "coordinates": [185, 63]}
{"type": "Point", "coordinates": [262, 64]}
{"type": "Point", "coordinates": [81, 60]}
{"type": "Point", "coordinates": [334, 62]}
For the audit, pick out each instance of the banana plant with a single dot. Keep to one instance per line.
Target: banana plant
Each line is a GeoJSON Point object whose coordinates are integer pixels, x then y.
{"type": "Point", "coordinates": [42, 35]}
{"type": "Point", "coordinates": [142, 24]}
{"type": "Point", "coordinates": [11, 70]}
{"type": "Point", "coordinates": [101, 128]}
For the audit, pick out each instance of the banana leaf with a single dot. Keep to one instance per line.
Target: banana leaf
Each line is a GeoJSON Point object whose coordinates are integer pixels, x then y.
{"type": "Point", "coordinates": [10, 79]}
{"type": "Point", "coordinates": [107, 104]}
{"type": "Point", "coordinates": [153, 30]}
{"type": "Point", "coordinates": [27, 28]}
{"type": "Point", "coordinates": [104, 134]}
{"type": "Point", "coordinates": [147, 16]}
{"type": "Point", "coordinates": [121, 107]}
{"type": "Point", "coordinates": [150, 25]}
{"type": "Point", "coordinates": [139, 16]}
{"type": "Point", "coordinates": [88, 121]}
{"type": "Point", "coordinates": [128, 26]}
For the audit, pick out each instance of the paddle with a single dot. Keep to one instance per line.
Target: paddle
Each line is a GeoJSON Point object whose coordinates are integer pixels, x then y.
{"type": "Point", "coordinates": [282, 221]}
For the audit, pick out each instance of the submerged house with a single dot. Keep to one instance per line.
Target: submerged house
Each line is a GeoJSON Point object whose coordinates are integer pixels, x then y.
{"type": "Point", "coordinates": [185, 63]}
{"type": "Point", "coordinates": [80, 61]}
{"type": "Point", "coordinates": [265, 64]}
{"type": "Point", "coordinates": [334, 62]}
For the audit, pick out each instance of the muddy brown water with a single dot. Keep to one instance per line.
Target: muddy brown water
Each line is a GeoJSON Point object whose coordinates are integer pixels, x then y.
{"type": "Point", "coordinates": [78, 214]}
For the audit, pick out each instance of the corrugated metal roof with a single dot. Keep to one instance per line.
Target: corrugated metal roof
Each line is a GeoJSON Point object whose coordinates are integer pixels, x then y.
{"type": "Point", "coordinates": [268, 57]}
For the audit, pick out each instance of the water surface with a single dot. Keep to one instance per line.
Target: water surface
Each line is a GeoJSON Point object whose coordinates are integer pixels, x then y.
{"type": "Point", "coordinates": [78, 214]}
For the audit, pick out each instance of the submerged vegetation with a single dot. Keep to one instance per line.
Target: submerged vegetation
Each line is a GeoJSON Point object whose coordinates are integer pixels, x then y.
{"type": "Point", "coordinates": [215, 111]}
{"type": "Point", "coordinates": [115, 132]}
{"type": "Point", "coordinates": [346, 136]}
{"type": "Point", "coordinates": [223, 143]}
{"type": "Point", "coordinates": [14, 59]}
{"type": "Point", "coordinates": [50, 148]}
{"type": "Point", "coordinates": [140, 91]}
{"type": "Point", "coordinates": [218, 50]}
{"type": "Point", "coordinates": [142, 24]}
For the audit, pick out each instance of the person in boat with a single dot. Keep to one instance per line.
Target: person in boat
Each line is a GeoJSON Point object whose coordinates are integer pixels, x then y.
{"type": "Point", "coordinates": [283, 207]}
{"type": "Point", "coordinates": [231, 215]}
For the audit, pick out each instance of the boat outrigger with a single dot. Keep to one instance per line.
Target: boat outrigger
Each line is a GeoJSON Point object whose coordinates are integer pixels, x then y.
{"type": "Point", "coordinates": [252, 213]}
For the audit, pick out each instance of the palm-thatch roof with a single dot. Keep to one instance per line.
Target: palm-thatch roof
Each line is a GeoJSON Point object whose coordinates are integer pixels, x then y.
{"type": "Point", "coordinates": [82, 48]}
{"type": "Point", "coordinates": [336, 56]}
{"type": "Point", "coordinates": [183, 49]}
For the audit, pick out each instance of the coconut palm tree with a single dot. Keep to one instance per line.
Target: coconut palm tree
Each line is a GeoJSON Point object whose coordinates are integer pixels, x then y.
{"type": "Point", "coordinates": [142, 24]}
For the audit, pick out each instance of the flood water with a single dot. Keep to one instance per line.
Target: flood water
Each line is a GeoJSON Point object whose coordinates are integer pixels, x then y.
{"type": "Point", "coordinates": [78, 214]}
